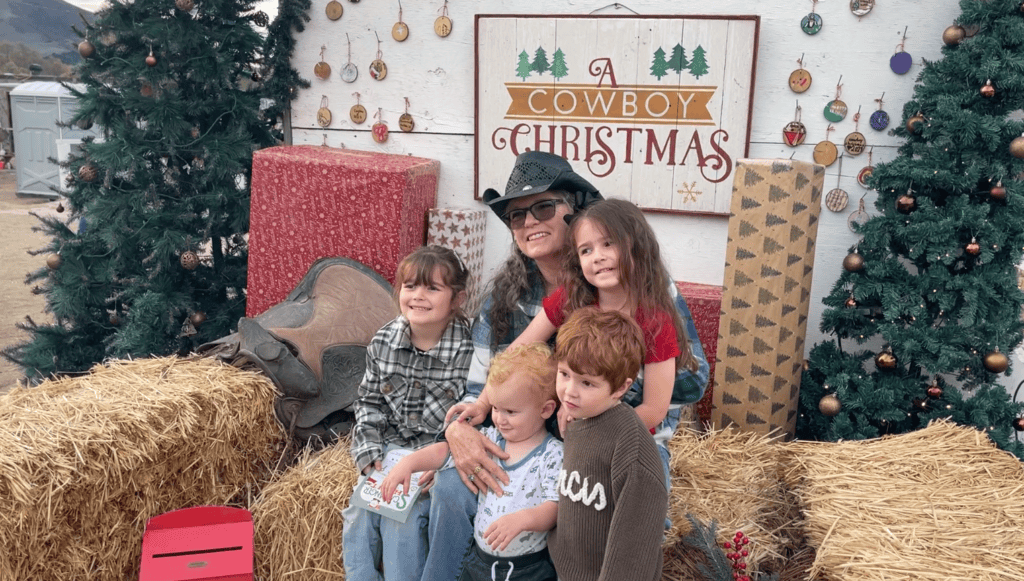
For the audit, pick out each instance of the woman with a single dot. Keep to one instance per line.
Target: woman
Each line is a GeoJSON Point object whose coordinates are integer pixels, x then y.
{"type": "Point", "coordinates": [541, 191]}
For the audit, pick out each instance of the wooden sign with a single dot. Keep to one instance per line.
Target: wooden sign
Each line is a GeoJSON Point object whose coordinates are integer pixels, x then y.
{"type": "Point", "coordinates": [653, 109]}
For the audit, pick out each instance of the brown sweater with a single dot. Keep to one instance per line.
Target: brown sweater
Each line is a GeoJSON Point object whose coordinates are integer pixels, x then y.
{"type": "Point", "coordinates": [611, 501]}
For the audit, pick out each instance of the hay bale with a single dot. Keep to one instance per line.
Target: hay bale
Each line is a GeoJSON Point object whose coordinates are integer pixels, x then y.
{"type": "Point", "coordinates": [298, 517]}
{"type": "Point", "coordinates": [939, 503]}
{"type": "Point", "coordinates": [85, 461]}
{"type": "Point", "coordinates": [730, 477]}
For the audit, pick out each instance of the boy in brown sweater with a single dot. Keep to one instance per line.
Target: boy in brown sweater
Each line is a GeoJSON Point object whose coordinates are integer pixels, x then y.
{"type": "Point", "coordinates": [612, 497]}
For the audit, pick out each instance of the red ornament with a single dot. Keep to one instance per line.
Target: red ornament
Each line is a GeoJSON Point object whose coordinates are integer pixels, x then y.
{"type": "Point", "coordinates": [988, 90]}
{"type": "Point", "coordinates": [973, 248]}
{"type": "Point", "coordinates": [1018, 424]}
{"type": "Point", "coordinates": [151, 60]}
{"type": "Point", "coordinates": [998, 191]}
{"type": "Point", "coordinates": [934, 391]}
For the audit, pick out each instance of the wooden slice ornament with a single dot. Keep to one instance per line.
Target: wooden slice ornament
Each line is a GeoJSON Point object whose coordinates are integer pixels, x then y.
{"type": "Point", "coordinates": [400, 31]}
{"type": "Point", "coordinates": [835, 111]}
{"type": "Point", "coordinates": [800, 80]}
{"type": "Point", "coordinates": [322, 70]}
{"type": "Point", "coordinates": [836, 199]}
{"type": "Point", "coordinates": [405, 121]}
{"type": "Point", "coordinates": [858, 218]}
{"type": "Point", "coordinates": [349, 72]}
{"type": "Point", "coordinates": [854, 143]}
{"type": "Point", "coordinates": [879, 119]}
{"type": "Point", "coordinates": [825, 152]}
{"type": "Point", "coordinates": [864, 174]}
{"type": "Point", "coordinates": [443, 24]}
{"type": "Point", "coordinates": [379, 129]}
{"type": "Point", "coordinates": [811, 24]}
{"type": "Point", "coordinates": [357, 113]}
{"type": "Point", "coordinates": [378, 70]}
{"type": "Point", "coordinates": [323, 114]}
{"type": "Point", "coordinates": [334, 10]}
{"type": "Point", "coordinates": [861, 7]}
{"type": "Point", "coordinates": [901, 61]}
{"type": "Point", "coordinates": [794, 133]}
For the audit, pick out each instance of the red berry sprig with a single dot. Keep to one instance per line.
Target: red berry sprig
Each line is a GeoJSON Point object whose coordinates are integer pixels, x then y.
{"type": "Point", "coordinates": [739, 566]}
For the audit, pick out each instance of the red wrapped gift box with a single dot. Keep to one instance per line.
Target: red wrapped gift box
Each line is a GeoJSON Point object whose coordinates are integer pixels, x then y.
{"type": "Point", "coordinates": [705, 302]}
{"type": "Point", "coordinates": [309, 202]}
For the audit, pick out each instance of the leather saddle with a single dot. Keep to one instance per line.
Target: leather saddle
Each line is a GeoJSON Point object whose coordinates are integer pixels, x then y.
{"type": "Point", "coordinates": [312, 345]}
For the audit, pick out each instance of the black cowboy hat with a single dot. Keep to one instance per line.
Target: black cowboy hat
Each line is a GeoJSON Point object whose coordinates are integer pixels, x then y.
{"type": "Point", "coordinates": [536, 172]}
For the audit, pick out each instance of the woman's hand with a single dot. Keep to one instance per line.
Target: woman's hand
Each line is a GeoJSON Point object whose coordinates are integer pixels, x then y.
{"type": "Point", "coordinates": [473, 413]}
{"type": "Point", "coordinates": [472, 453]}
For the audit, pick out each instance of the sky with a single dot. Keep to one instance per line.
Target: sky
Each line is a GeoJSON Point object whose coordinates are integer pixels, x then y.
{"type": "Point", "coordinates": [268, 6]}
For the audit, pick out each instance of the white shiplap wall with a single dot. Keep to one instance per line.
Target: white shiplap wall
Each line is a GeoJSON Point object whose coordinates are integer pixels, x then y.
{"type": "Point", "coordinates": [437, 76]}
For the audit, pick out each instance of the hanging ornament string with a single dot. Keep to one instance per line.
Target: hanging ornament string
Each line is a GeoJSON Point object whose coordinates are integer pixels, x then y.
{"type": "Point", "coordinates": [837, 198]}
{"type": "Point", "coordinates": [901, 62]}
{"type": "Point", "coordinates": [865, 173]}
{"type": "Point", "coordinates": [400, 31]}
{"type": "Point", "coordinates": [800, 79]}
{"type": "Point", "coordinates": [855, 142]}
{"type": "Point", "coordinates": [825, 152]}
{"type": "Point", "coordinates": [835, 110]}
{"type": "Point", "coordinates": [380, 129]}
{"type": "Point", "coordinates": [443, 24]}
{"type": "Point", "coordinates": [794, 133]}
{"type": "Point", "coordinates": [322, 70]}
{"type": "Point", "coordinates": [349, 72]}
{"type": "Point", "coordinates": [406, 122]}
{"type": "Point", "coordinates": [378, 70]}
{"type": "Point", "coordinates": [811, 24]}
{"type": "Point", "coordinates": [357, 113]}
{"type": "Point", "coordinates": [879, 119]}
{"type": "Point", "coordinates": [323, 114]}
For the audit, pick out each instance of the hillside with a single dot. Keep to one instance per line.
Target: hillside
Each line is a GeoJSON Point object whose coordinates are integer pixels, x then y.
{"type": "Point", "coordinates": [43, 25]}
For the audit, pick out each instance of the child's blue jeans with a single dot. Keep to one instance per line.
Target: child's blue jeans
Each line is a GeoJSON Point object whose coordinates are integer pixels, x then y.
{"type": "Point", "coordinates": [369, 540]}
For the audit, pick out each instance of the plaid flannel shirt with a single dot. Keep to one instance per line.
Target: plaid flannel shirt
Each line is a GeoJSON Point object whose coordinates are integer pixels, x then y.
{"type": "Point", "coordinates": [406, 392]}
{"type": "Point", "coordinates": [689, 385]}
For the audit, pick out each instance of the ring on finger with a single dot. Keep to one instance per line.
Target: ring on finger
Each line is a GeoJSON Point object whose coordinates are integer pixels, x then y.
{"type": "Point", "coordinates": [477, 469]}
{"type": "Point", "coordinates": [472, 477]}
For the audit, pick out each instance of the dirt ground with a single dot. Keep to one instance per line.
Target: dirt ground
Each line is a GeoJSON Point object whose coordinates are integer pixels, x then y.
{"type": "Point", "coordinates": [16, 239]}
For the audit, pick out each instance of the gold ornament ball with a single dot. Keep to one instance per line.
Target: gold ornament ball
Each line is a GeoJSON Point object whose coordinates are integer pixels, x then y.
{"type": "Point", "coordinates": [86, 49]}
{"type": "Point", "coordinates": [905, 204]}
{"type": "Point", "coordinates": [198, 318]}
{"type": "Point", "coordinates": [185, 5]}
{"type": "Point", "coordinates": [988, 90]}
{"type": "Point", "coordinates": [829, 405]}
{"type": "Point", "coordinates": [914, 123]}
{"type": "Point", "coordinates": [151, 60]}
{"type": "Point", "coordinates": [996, 362]}
{"type": "Point", "coordinates": [54, 261]}
{"type": "Point", "coordinates": [998, 191]}
{"type": "Point", "coordinates": [885, 360]}
{"type": "Point", "coordinates": [189, 260]}
{"type": "Point", "coordinates": [853, 262]}
{"type": "Point", "coordinates": [972, 248]}
{"type": "Point", "coordinates": [851, 302]}
{"type": "Point", "coordinates": [953, 35]}
{"type": "Point", "coordinates": [87, 173]}
{"type": "Point", "coordinates": [1017, 147]}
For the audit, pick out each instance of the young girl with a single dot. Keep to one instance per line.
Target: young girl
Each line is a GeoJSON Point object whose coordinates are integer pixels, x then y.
{"type": "Point", "coordinates": [416, 369]}
{"type": "Point", "coordinates": [614, 262]}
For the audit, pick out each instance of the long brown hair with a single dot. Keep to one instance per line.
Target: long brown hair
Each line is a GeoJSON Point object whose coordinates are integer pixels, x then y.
{"type": "Point", "coordinates": [641, 269]}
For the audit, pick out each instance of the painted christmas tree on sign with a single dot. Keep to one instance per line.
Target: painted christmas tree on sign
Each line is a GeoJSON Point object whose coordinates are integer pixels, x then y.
{"type": "Point", "coordinates": [928, 306]}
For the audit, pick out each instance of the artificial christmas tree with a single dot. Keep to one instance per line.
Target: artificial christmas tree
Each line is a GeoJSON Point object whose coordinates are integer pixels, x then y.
{"type": "Point", "coordinates": [160, 206]}
{"type": "Point", "coordinates": [933, 281]}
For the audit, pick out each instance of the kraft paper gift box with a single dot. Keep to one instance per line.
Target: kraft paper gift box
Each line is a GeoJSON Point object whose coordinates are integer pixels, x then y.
{"type": "Point", "coordinates": [766, 294]}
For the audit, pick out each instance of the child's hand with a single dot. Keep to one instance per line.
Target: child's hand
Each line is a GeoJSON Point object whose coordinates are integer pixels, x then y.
{"type": "Point", "coordinates": [399, 474]}
{"type": "Point", "coordinates": [375, 465]}
{"type": "Point", "coordinates": [563, 419]}
{"type": "Point", "coordinates": [502, 531]}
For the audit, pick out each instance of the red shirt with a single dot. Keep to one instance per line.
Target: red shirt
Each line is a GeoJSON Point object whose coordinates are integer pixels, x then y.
{"type": "Point", "coordinates": [660, 342]}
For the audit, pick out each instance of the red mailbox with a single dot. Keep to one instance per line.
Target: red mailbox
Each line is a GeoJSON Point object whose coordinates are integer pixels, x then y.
{"type": "Point", "coordinates": [204, 543]}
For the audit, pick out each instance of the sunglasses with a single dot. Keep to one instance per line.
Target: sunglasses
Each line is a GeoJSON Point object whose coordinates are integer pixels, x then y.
{"type": "Point", "coordinates": [542, 210]}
